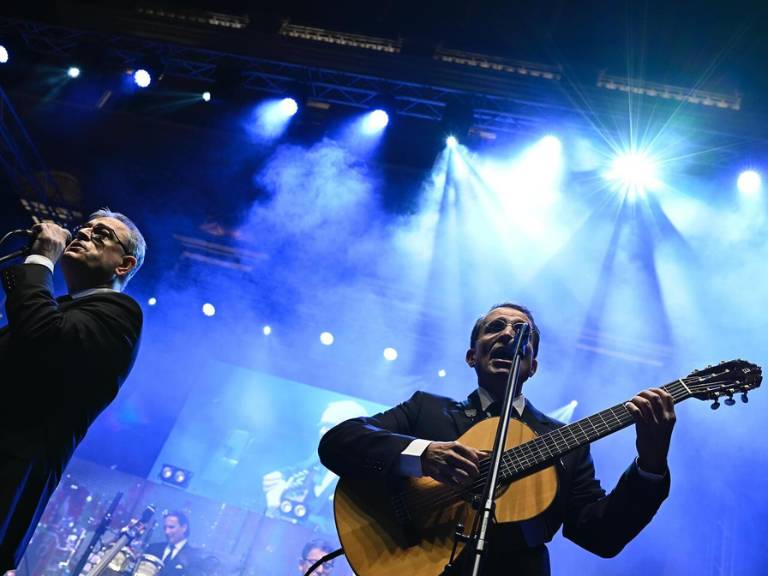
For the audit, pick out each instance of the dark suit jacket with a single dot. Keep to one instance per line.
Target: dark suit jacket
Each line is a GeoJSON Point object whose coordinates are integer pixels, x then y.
{"type": "Point", "coordinates": [601, 523]}
{"type": "Point", "coordinates": [61, 364]}
{"type": "Point", "coordinates": [185, 563]}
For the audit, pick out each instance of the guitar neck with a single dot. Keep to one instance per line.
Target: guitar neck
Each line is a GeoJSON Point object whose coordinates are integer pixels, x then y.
{"type": "Point", "coordinates": [547, 448]}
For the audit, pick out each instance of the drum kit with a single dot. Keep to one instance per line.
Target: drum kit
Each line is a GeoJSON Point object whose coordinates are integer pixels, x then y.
{"type": "Point", "coordinates": [126, 563]}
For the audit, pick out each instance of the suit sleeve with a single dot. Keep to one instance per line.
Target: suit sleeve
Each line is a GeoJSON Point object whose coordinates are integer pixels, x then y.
{"type": "Point", "coordinates": [605, 523]}
{"type": "Point", "coordinates": [372, 445]}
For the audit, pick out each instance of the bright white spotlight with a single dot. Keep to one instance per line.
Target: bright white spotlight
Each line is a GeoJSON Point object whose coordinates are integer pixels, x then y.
{"type": "Point", "coordinates": [208, 309]}
{"type": "Point", "coordinates": [142, 78]}
{"type": "Point", "coordinates": [633, 173]}
{"type": "Point", "coordinates": [288, 106]}
{"type": "Point", "coordinates": [3, 54]}
{"type": "Point", "coordinates": [326, 338]}
{"type": "Point", "coordinates": [73, 72]}
{"type": "Point", "coordinates": [551, 143]}
{"type": "Point", "coordinates": [441, 373]}
{"type": "Point", "coordinates": [152, 301]}
{"type": "Point", "coordinates": [451, 142]}
{"type": "Point", "coordinates": [749, 182]}
{"type": "Point", "coordinates": [375, 121]}
{"type": "Point", "coordinates": [206, 96]}
{"type": "Point", "coordinates": [267, 330]}
{"type": "Point", "coordinates": [390, 354]}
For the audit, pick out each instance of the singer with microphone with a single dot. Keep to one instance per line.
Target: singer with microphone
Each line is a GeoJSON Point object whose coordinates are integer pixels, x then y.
{"type": "Point", "coordinates": [62, 360]}
{"type": "Point", "coordinates": [419, 438]}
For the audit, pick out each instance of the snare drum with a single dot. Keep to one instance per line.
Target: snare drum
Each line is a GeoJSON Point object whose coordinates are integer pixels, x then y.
{"type": "Point", "coordinates": [148, 565]}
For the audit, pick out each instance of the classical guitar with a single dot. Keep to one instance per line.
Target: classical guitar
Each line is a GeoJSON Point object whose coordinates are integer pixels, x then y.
{"type": "Point", "coordinates": [411, 531]}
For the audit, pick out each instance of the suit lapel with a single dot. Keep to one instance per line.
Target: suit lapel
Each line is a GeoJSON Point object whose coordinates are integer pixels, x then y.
{"type": "Point", "coordinates": [467, 413]}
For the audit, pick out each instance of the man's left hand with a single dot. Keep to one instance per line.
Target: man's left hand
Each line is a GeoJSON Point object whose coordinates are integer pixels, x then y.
{"type": "Point", "coordinates": [654, 414]}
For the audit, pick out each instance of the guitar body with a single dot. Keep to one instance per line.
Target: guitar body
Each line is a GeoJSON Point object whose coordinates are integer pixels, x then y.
{"type": "Point", "coordinates": [379, 542]}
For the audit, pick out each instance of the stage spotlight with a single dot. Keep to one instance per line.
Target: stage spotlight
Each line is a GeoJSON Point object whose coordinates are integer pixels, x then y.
{"type": "Point", "coordinates": [375, 121]}
{"type": "Point", "coordinates": [152, 301]}
{"type": "Point", "coordinates": [288, 107]}
{"type": "Point", "coordinates": [326, 338]}
{"type": "Point", "coordinates": [206, 96]}
{"type": "Point", "coordinates": [390, 354]}
{"type": "Point", "coordinates": [633, 173]}
{"type": "Point", "coordinates": [749, 182]}
{"type": "Point", "coordinates": [4, 56]}
{"type": "Point", "coordinates": [175, 476]}
{"type": "Point", "coordinates": [266, 330]}
{"type": "Point", "coordinates": [142, 78]}
{"type": "Point", "coordinates": [451, 142]}
{"type": "Point", "coordinates": [551, 144]}
{"type": "Point", "coordinates": [441, 373]}
{"type": "Point", "coordinates": [208, 309]}
{"type": "Point", "coordinates": [73, 72]}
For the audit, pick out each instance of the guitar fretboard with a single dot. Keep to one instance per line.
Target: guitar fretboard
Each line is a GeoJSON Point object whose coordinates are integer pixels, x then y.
{"type": "Point", "coordinates": [547, 448]}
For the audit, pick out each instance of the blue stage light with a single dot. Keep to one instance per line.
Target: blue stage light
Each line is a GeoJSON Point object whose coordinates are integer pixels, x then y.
{"type": "Point", "coordinates": [206, 96]}
{"type": "Point", "coordinates": [451, 142]}
{"type": "Point", "coordinates": [749, 182]}
{"type": "Point", "coordinates": [288, 107]}
{"type": "Point", "coordinates": [73, 72]}
{"type": "Point", "coordinates": [326, 338]}
{"type": "Point", "coordinates": [633, 173]}
{"type": "Point", "coordinates": [375, 121]}
{"type": "Point", "coordinates": [152, 301]}
{"type": "Point", "coordinates": [142, 78]}
{"type": "Point", "coordinates": [390, 354]}
{"type": "Point", "coordinates": [209, 309]}
{"type": "Point", "coordinates": [441, 373]}
{"type": "Point", "coordinates": [266, 330]}
{"type": "Point", "coordinates": [4, 56]}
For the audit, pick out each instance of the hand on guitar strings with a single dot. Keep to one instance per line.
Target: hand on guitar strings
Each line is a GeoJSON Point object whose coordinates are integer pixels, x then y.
{"type": "Point", "coordinates": [451, 463]}
{"type": "Point", "coordinates": [654, 414]}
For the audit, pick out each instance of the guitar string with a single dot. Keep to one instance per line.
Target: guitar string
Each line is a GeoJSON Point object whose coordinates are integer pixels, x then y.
{"type": "Point", "coordinates": [512, 464]}
{"type": "Point", "coordinates": [527, 458]}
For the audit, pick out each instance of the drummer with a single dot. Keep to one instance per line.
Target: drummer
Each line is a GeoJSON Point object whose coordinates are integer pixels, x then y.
{"type": "Point", "coordinates": [178, 557]}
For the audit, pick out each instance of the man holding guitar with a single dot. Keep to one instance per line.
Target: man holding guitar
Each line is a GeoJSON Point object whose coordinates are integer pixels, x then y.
{"type": "Point", "coordinates": [418, 442]}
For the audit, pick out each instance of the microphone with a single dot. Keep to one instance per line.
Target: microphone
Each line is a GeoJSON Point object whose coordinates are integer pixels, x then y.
{"type": "Point", "coordinates": [522, 331]}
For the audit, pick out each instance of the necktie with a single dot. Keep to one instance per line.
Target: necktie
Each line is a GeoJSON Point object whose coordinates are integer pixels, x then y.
{"type": "Point", "coordinates": [168, 556]}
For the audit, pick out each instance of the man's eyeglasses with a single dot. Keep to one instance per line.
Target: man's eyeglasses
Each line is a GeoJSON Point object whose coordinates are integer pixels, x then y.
{"type": "Point", "coordinates": [100, 233]}
{"type": "Point", "coordinates": [325, 566]}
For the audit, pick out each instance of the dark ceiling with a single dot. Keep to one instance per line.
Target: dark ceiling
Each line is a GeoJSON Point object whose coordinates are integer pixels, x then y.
{"type": "Point", "coordinates": [713, 44]}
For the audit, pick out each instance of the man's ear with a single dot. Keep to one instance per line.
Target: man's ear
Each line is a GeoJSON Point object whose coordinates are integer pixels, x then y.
{"type": "Point", "coordinates": [126, 265]}
{"type": "Point", "coordinates": [534, 366]}
{"type": "Point", "coordinates": [470, 357]}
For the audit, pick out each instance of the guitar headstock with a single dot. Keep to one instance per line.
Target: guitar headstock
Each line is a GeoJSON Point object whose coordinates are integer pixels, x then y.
{"type": "Point", "coordinates": [724, 379]}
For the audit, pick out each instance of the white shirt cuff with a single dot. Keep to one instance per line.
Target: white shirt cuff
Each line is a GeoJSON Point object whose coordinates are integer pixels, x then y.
{"type": "Point", "coordinates": [410, 458]}
{"type": "Point", "coordinates": [39, 259]}
{"type": "Point", "coordinates": [648, 475]}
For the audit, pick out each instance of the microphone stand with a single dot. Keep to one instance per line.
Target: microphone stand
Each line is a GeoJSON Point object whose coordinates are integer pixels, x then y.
{"type": "Point", "coordinates": [97, 534]}
{"type": "Point", "coordinates": [478, 540]}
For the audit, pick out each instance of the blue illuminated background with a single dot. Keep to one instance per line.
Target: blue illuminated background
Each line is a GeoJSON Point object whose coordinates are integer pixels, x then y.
{"type": "Point", "coordinates": [639, 263]}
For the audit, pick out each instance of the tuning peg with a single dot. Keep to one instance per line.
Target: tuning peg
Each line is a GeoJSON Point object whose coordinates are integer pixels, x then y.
{"type": "Point", "coordinates": [715, 405]}
{"type": "Point", "coordinates": [730, 401]}
{"type": "Point", "coordinates": [744, 397]}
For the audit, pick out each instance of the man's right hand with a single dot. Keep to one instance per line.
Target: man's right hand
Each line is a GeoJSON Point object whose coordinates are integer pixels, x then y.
{"type": "Point", "coordinates": [451, 463]}
{"type": "Point", "coordinates": [50, 241]}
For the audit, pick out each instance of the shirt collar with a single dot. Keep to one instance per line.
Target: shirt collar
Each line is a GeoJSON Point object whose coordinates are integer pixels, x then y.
{"type": "Point", "coordinates": [486, 400]}
{"type": "Point", "coordinates": [90, 291]}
